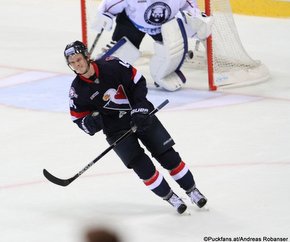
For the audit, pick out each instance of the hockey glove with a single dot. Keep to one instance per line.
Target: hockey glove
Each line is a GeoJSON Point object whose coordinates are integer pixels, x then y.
{"type": "Point", "coordinates": [92, 123]}
{"type": "Point", "coordinates": [141, 120]}
{"type": "Point", "coordinates": [197, 25]}
{"type": "Point", "coordinates": [102, 21]}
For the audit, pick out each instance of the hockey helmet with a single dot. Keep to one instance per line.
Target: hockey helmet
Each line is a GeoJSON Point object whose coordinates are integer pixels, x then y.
{"type": "Point", "coordinates": [76, 47]}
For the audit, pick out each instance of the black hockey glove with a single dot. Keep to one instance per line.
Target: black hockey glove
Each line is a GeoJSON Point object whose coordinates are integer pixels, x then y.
{"type": "Point", "coordinates": [91, 123]}
{"type": "Point", "coordinates": [141, 119]}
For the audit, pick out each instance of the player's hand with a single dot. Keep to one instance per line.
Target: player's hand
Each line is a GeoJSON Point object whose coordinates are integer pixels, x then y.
{"type": "Point", "coordinates": [198, 24]}
{"type": "Point", "coordinates": [141, 119]}
{"type": "Point", "coordinates": [205, 29]}
{"type": "Point", "coordinates": [92, 123]}
{"type": "Point", "coordinates": [102, 21]}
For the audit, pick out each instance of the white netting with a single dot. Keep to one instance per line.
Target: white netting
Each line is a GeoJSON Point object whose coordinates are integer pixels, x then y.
{"type": "Point", "coordinates": [231, 63]}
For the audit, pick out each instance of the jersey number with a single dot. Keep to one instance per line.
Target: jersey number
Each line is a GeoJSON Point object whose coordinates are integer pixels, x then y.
{"type": "Point", "coordinates": [124, 64]}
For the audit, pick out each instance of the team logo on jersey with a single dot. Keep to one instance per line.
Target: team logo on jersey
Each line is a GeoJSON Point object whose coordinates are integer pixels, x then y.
{"type": "Point", "coordinates": [116, 99]}
{"type": "Point", "coordinates": [157, 13]}
{"type": "Point", "coordinates": [72, 93]}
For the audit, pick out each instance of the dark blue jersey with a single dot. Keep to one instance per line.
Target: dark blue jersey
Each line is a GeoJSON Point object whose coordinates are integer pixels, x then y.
{"type": "Point", "coordinates": [114, 90]}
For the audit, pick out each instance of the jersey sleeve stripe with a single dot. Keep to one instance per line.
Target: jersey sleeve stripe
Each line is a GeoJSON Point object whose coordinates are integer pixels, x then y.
{"type": "Point", "coordinates": [77, 115]}
{"type": "Point", "coordinates": [136, 75]}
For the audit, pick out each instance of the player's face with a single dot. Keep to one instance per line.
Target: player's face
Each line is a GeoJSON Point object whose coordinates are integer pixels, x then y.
{"type": "Point", "coordinates": [78, 63]}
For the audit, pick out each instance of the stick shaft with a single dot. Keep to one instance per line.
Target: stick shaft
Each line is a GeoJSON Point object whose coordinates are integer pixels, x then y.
{"type": "Point", "coordinates": [95, 42]}
{"type": "Point", "coordinates": [65, 182]}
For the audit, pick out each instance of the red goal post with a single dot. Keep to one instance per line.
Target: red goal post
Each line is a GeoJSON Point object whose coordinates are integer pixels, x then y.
{"type": "Point", "coordinates": [84, 22]}
{"type": "Point", "coordinates": [228, 63]}
{"type": "Point", "coordinates": [211, 83]}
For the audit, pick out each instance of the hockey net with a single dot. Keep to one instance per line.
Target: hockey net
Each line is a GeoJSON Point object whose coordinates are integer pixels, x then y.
{"type": "Point", "coordinates": [222, 56]}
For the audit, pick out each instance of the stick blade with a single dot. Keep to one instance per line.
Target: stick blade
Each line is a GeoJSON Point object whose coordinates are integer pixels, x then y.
{"type": "Point", "coordinates": [56, 180]}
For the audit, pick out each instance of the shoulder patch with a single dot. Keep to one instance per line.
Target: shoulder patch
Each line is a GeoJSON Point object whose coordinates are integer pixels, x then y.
{"type": "Point", "coordinates": [72, 93]}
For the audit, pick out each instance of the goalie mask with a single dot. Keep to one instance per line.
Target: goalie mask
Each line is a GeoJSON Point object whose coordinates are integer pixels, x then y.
{"type": "Point", "coordinates": [76, 47]}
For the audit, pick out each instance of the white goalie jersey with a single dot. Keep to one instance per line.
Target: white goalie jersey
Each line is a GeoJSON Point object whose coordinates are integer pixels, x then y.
{"type": "Point", "coordinates": [149, 15]}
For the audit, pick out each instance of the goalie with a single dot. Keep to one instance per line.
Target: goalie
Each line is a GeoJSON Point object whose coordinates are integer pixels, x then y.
{"type": "Point", "coordinates": [169, 23]}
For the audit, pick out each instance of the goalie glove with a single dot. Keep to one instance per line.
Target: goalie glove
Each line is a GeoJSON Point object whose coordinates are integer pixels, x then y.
{"type": "Point", "coordinates": [199, 25]}
{"type": "Point", "coordinates": [102, 21]}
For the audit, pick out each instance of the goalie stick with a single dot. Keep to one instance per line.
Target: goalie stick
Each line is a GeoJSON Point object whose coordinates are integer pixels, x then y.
{"type": "Point", "coordinates": [95, 42]}
{"type": "Point", "coordinates": [65, 182]}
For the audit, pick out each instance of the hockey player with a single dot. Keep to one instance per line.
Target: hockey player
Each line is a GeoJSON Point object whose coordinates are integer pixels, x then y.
{"type": "Point", "coordinates": [110, 95]}
{"type": "Point", "coordinates": [168, 22]}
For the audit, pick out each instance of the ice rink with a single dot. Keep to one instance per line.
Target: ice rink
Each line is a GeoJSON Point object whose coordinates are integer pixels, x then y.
{"type": "Point", "coordinates": [236, 142]}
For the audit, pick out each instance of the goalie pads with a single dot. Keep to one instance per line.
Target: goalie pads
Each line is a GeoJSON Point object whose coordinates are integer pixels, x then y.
{"type": "Point", "coordinates": [199, 26]}
{"type": "Point", "coordinates": [124, 50]}
{"type": "Point", "coordinates": [169, 56]}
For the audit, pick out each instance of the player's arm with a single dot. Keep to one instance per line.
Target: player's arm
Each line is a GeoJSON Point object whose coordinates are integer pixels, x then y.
{"type": "Point", "coordinates": [134, 83]}
{"type": "Point", "coordinates": [192, 7]}
{"type": "Point", "coordinates": [106, 12]}
{"type": "Point", "coordinates": [112, 6]}
{"type": "Point", "coordinates": [136, 90]}
{"type": "Point", "coordinates": [88, 121]}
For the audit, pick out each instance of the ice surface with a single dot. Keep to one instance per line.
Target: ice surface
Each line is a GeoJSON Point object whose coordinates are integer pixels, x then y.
{"type": "Point", "coordinates": [235, 141]}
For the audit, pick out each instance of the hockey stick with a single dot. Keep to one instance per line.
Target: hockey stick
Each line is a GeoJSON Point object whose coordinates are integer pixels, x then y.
{"type": "Point", "coordinates": [95, 42]}
{"type": "Point", "coordinates": [65, 182]}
